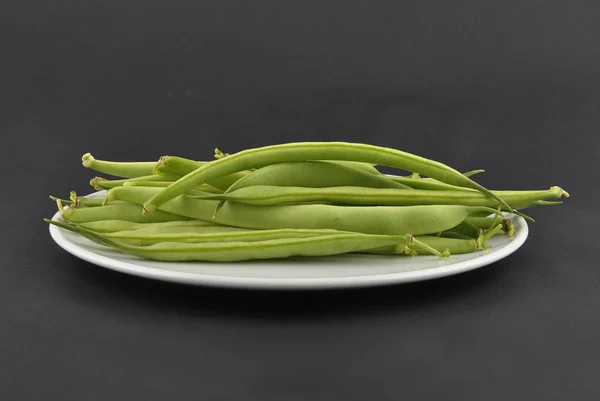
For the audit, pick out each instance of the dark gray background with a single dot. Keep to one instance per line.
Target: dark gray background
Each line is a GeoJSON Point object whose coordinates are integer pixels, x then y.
{"type": "Point", "coordinates": [510, 86]}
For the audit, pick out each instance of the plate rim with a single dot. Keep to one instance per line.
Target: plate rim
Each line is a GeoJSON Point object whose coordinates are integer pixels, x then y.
{"type": "Point", "coordinates": [277, 283]}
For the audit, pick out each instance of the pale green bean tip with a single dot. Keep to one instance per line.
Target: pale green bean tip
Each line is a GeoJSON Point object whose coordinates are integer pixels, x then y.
{"type": "Point", "coordinates": [87, 160]}
{"type": "Point", "coordinates": [94, 182]}
{"type": "Point", "coordinates": [162, 161]}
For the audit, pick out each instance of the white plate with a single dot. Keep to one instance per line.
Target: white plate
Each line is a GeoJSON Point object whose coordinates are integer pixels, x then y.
{"type": "Point", "coordinates": [343, 271]}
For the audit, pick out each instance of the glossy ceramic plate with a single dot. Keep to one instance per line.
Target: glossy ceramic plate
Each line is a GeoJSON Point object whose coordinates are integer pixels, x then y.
{"type": "Point", "coordinates": [342, 271]}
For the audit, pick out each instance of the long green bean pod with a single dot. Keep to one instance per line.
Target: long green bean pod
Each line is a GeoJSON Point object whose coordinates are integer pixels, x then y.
{"type": "Point", "coordinates": [421, 219]}
{"type": "Point", "coordinates": [314, 174]}
{"type": "Point", "coordinates": [366, 167]}
{"type": "Point", "coordinates": [361, 196]}
{"type": "Point", "coordinates": [236, 251]}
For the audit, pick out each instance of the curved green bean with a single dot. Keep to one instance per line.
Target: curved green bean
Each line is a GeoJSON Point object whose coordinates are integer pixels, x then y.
{"type": "Point", "coordinates": [174, 165]}
{"type": "Point", "coordinates": [366, 167]}
{"type": "Point", "coordinates": [259, 157]}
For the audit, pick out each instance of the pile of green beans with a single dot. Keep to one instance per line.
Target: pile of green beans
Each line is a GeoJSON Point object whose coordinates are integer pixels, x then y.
{"type": "Point", "coordinates": [298, 199]}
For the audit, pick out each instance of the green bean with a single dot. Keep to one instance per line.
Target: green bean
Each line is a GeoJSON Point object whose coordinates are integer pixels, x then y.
{"type": "Point", "coordinates": [118, 169]}
{"type": "Point", "coordinates": [111, 226]}
{"type": "Point", "coordinates": [453, 245]}
{"type": "Point", "coordinates": [366, 167]}
{"type": "Point", "coordinates": [163, 184]}
{"type": "Point", "coordinates": [100, 183]}
{"type": "Point", "coordinates": [360, 196]}
{"type": "Point", "coordinates": [181, 166]}
{"type": "Point", "coordinates": [213, 234]}
{"type": "Point", "coordinates": [259, 157]}
{"type": "Point", "coordinates": [119, 211]}
{"type": "Point", "coordinates": [316, 174]}
{"type": "Point", "coordinates": [422, 219]}
{"type": "Point", "coordinates": [236, 251]}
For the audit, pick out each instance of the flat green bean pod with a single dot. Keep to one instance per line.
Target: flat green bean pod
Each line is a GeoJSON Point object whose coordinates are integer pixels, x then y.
{"type": "Point", "coordinates": [314, 174]}
{"type": "Point", "coordinates": [421, 219]}
{"type": "Point", "coordinates": [324, 245]}
{"type": "Point", "coordinates": [303, 151]}
{"type": "Point", "coordinates": [361, 196]}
